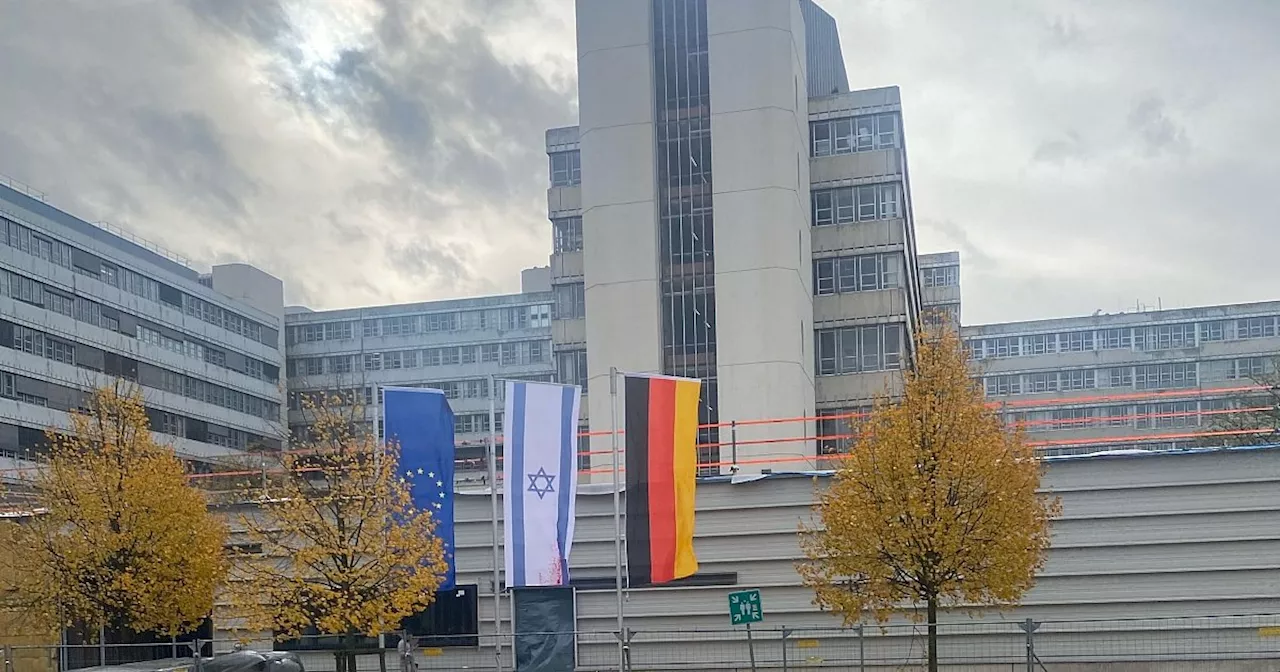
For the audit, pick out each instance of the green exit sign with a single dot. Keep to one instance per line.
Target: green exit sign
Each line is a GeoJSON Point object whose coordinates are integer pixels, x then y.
{"type": "Point", "coordinates": [745, 607]}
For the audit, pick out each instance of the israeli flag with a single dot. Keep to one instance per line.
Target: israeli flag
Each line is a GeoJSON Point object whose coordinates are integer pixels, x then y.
{"type": "Point", "coordinates": [540, 481]}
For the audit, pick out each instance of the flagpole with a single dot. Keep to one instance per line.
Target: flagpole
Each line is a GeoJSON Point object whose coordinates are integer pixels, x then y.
{"type": "Point", "coordinates": [617, 514]}
{"type": "Point", "coordinates": [493, 504]}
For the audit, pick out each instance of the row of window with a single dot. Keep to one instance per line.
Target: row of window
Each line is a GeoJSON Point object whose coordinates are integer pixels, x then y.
{"type": "Point", "coordinates": [38, 343]}
{"type": "Point", "coordinates": [26, 443]}
{"type": "Point", "coordinates": [859, 273]}
{"type": "Point", "coordinates": [84, 310]}
{"type": "Point", "coordinates": [504, 354]}
{"type": "Point", "coordinates": [859, 349]}
{"type": "Point", "coordinates": [854, 134]}
{"type": "Point", "coordinates": [1163, 415]}
{"type": "Point", "coordinates": [1141, 377]}
{"type": "Point", "coordinates": [845, 205]}
{"type": "Point", "coordinates": [84, 263]}
{"type": "Point", "coordinates": [62, 398]}
{"type": "Point", "coordinates": [471, 388]}
{"type": "Point", "coordinates": [1145, 338]}
{"type": "Point", "coordinates": [503, 319]}
{"type": "Point", "coordinates": [837, 428]}
{"type": "Point", "coordinates": [452, 389]}
{"type": "Point", "coordinates": [940, 276]}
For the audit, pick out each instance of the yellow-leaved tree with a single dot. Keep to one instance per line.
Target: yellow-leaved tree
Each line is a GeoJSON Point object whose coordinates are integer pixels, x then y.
{"type": "Point", "coordinates": [115, 537]}
{"type": "Point", "coordinates": [343, 550]}
{"type": "Point", "coordinates": [936, 505]}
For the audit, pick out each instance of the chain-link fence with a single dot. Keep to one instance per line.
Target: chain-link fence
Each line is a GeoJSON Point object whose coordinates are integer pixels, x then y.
{"type": "Point", "coordinates": [1244, 643]}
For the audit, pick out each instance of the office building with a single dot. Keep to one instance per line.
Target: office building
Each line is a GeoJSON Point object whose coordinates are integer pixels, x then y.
{"type": "Point", "coordinates": [454, 346]}
{"type": "Point", "coordinates": [1143, 380]}
{"type": "Point", "coordinates": [83, 304]}
{"type": "Point", "coordinates": [940, 288]}
{"type": "Point", "coordinates": [728, 209]}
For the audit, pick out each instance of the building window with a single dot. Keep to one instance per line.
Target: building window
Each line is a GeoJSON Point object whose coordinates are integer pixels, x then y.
{"type": "Point", "coordinates": [997, 348]}
{"type": "Point", "coordinates": [1213, 331]}
{"type": "Point", "coordinates": [1115, 339]}
{"type": "Point", "coordinates": [1002, 385]}
{"type": "Point", "coordinates": [340, 364]}
{"type": "Point", "coordinates": [540, 316]}
{"type": "Point", "coordinates": [859, 349]}
{"type": "Point", "coordinates": [400, 326]}
{"type": "Point", "coordinates": [568, 234]}
{"type": "Point", "coordinates": [854, 134]}
{"type": "Point", "coordinates": [440, 322]}
{"type": "Point", "coordinates": [337, 331]}
{"type": "Point", "coordinates": [1164, 376]}
{"type": "Point", "coordinates": [1117, 376]}
{"type": "Point", "coordinates": [947, 314]}
{"type": "Point", "coordinates": [570, 301]}
{"type": "Point", "coordinates": [1166, 415]}
{"type": "Point", "coordinates": [566, 168]}
{"type": "Point", "coordinates": [1249, 368]}
{"type": "Point", "coordinates": [837, 428]}
{"type": "Point", "coordinates": [215, 357]}
{"type": "Point", "coordinates": [1075, 341]}
{"type": "Point", "coordinates": [1077, 379]}
{"type": "Point", "coordinates": [571, 368]}
{"type": "Point", "coordinates": [1255, 327]}
{"type": "Point", "coordinates": [860, 273]}
{"type": "Point", "coordinates": [1165, 337]}
{"type": "Point", "coordinates": [845, 205]}
{"type": "Point", "coordinates": [940, 276]}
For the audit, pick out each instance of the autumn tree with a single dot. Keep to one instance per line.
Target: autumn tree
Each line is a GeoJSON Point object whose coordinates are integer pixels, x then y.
{"type": "Point", "coordinates": [114, 537]}
{"type": "Point", "coordinates": [935, 505]}
{"type": "Point", "coordinates": [343, 550]}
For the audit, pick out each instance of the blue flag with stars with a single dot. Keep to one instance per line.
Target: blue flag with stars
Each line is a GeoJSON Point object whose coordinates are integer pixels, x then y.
{"type": "Point", "coordinates": [420, 421]}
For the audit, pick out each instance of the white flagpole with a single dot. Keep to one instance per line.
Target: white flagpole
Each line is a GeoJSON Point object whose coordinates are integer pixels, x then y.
{"type": "Point", "coordinates": [493, 503]}
{"type": "Point", "coordinates": [617, 514]}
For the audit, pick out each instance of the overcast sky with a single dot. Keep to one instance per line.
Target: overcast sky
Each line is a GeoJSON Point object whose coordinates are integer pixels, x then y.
{"type": "Point", "coordinates": [1081, 155]}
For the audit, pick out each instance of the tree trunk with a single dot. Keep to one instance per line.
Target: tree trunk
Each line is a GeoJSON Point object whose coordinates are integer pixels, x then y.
{"type": "Point", "coordinates": [345, 656]}
{"type": "Point", "coordinates": [933, 633]}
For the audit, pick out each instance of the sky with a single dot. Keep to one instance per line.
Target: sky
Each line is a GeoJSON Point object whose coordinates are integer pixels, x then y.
{"type": "Point", "coordinates": [1081, 155]}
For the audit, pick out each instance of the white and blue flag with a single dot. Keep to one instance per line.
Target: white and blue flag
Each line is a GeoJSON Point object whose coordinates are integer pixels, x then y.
{"type": "Point", "coordinates": [540, 481]}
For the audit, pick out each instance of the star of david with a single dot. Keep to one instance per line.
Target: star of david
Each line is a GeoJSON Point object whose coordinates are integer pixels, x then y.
{"type": "Point", "coordinates": [547, 481]}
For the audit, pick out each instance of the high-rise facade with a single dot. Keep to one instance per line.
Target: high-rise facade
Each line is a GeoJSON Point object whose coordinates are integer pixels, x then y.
{"type": "Point", "coordinates": [81, 306]}
{"type": "Point", "coordinates": [457, 346]}
{"type": "Point", "coordinates": [727, 209]}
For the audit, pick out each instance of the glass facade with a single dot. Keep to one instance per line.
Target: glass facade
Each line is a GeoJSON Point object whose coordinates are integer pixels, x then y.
{"type": "Point", "coordinates": [686, 231]}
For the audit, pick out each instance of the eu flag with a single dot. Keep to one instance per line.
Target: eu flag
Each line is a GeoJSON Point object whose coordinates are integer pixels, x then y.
{"type": "Point", "coordinates": [421, 422]}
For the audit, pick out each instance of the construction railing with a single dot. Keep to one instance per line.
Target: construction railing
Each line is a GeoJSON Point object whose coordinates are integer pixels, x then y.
{"type": "Point", "coordinates": [1166, 644]}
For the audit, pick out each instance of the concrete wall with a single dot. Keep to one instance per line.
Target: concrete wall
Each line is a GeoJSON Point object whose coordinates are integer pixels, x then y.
{"type": "Point", "coordinates": [619, 218]}
{"type": "Point", "coordinates": [1141, 537]}
{"type": "Point", "coordinates": [764, 303]}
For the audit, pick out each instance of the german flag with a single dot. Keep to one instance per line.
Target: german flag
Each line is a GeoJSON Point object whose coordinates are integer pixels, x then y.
{"type": "Point", "coordinates": [661, 430]}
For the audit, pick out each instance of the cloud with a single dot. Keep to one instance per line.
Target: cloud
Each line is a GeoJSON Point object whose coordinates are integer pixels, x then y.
{"type": "Point", "coordinates": [363, 151]}
{"type": "Point", "coordinates": [1084, 155]}
{"type": "Point", "coordinates": [1156, 131]}
{"type": "Point", "coordinates": [1081, 155]}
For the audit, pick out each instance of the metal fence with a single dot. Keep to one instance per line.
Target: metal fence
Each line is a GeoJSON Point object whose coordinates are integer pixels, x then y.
{"type": "Point", "coordinates": [1245, 643]}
